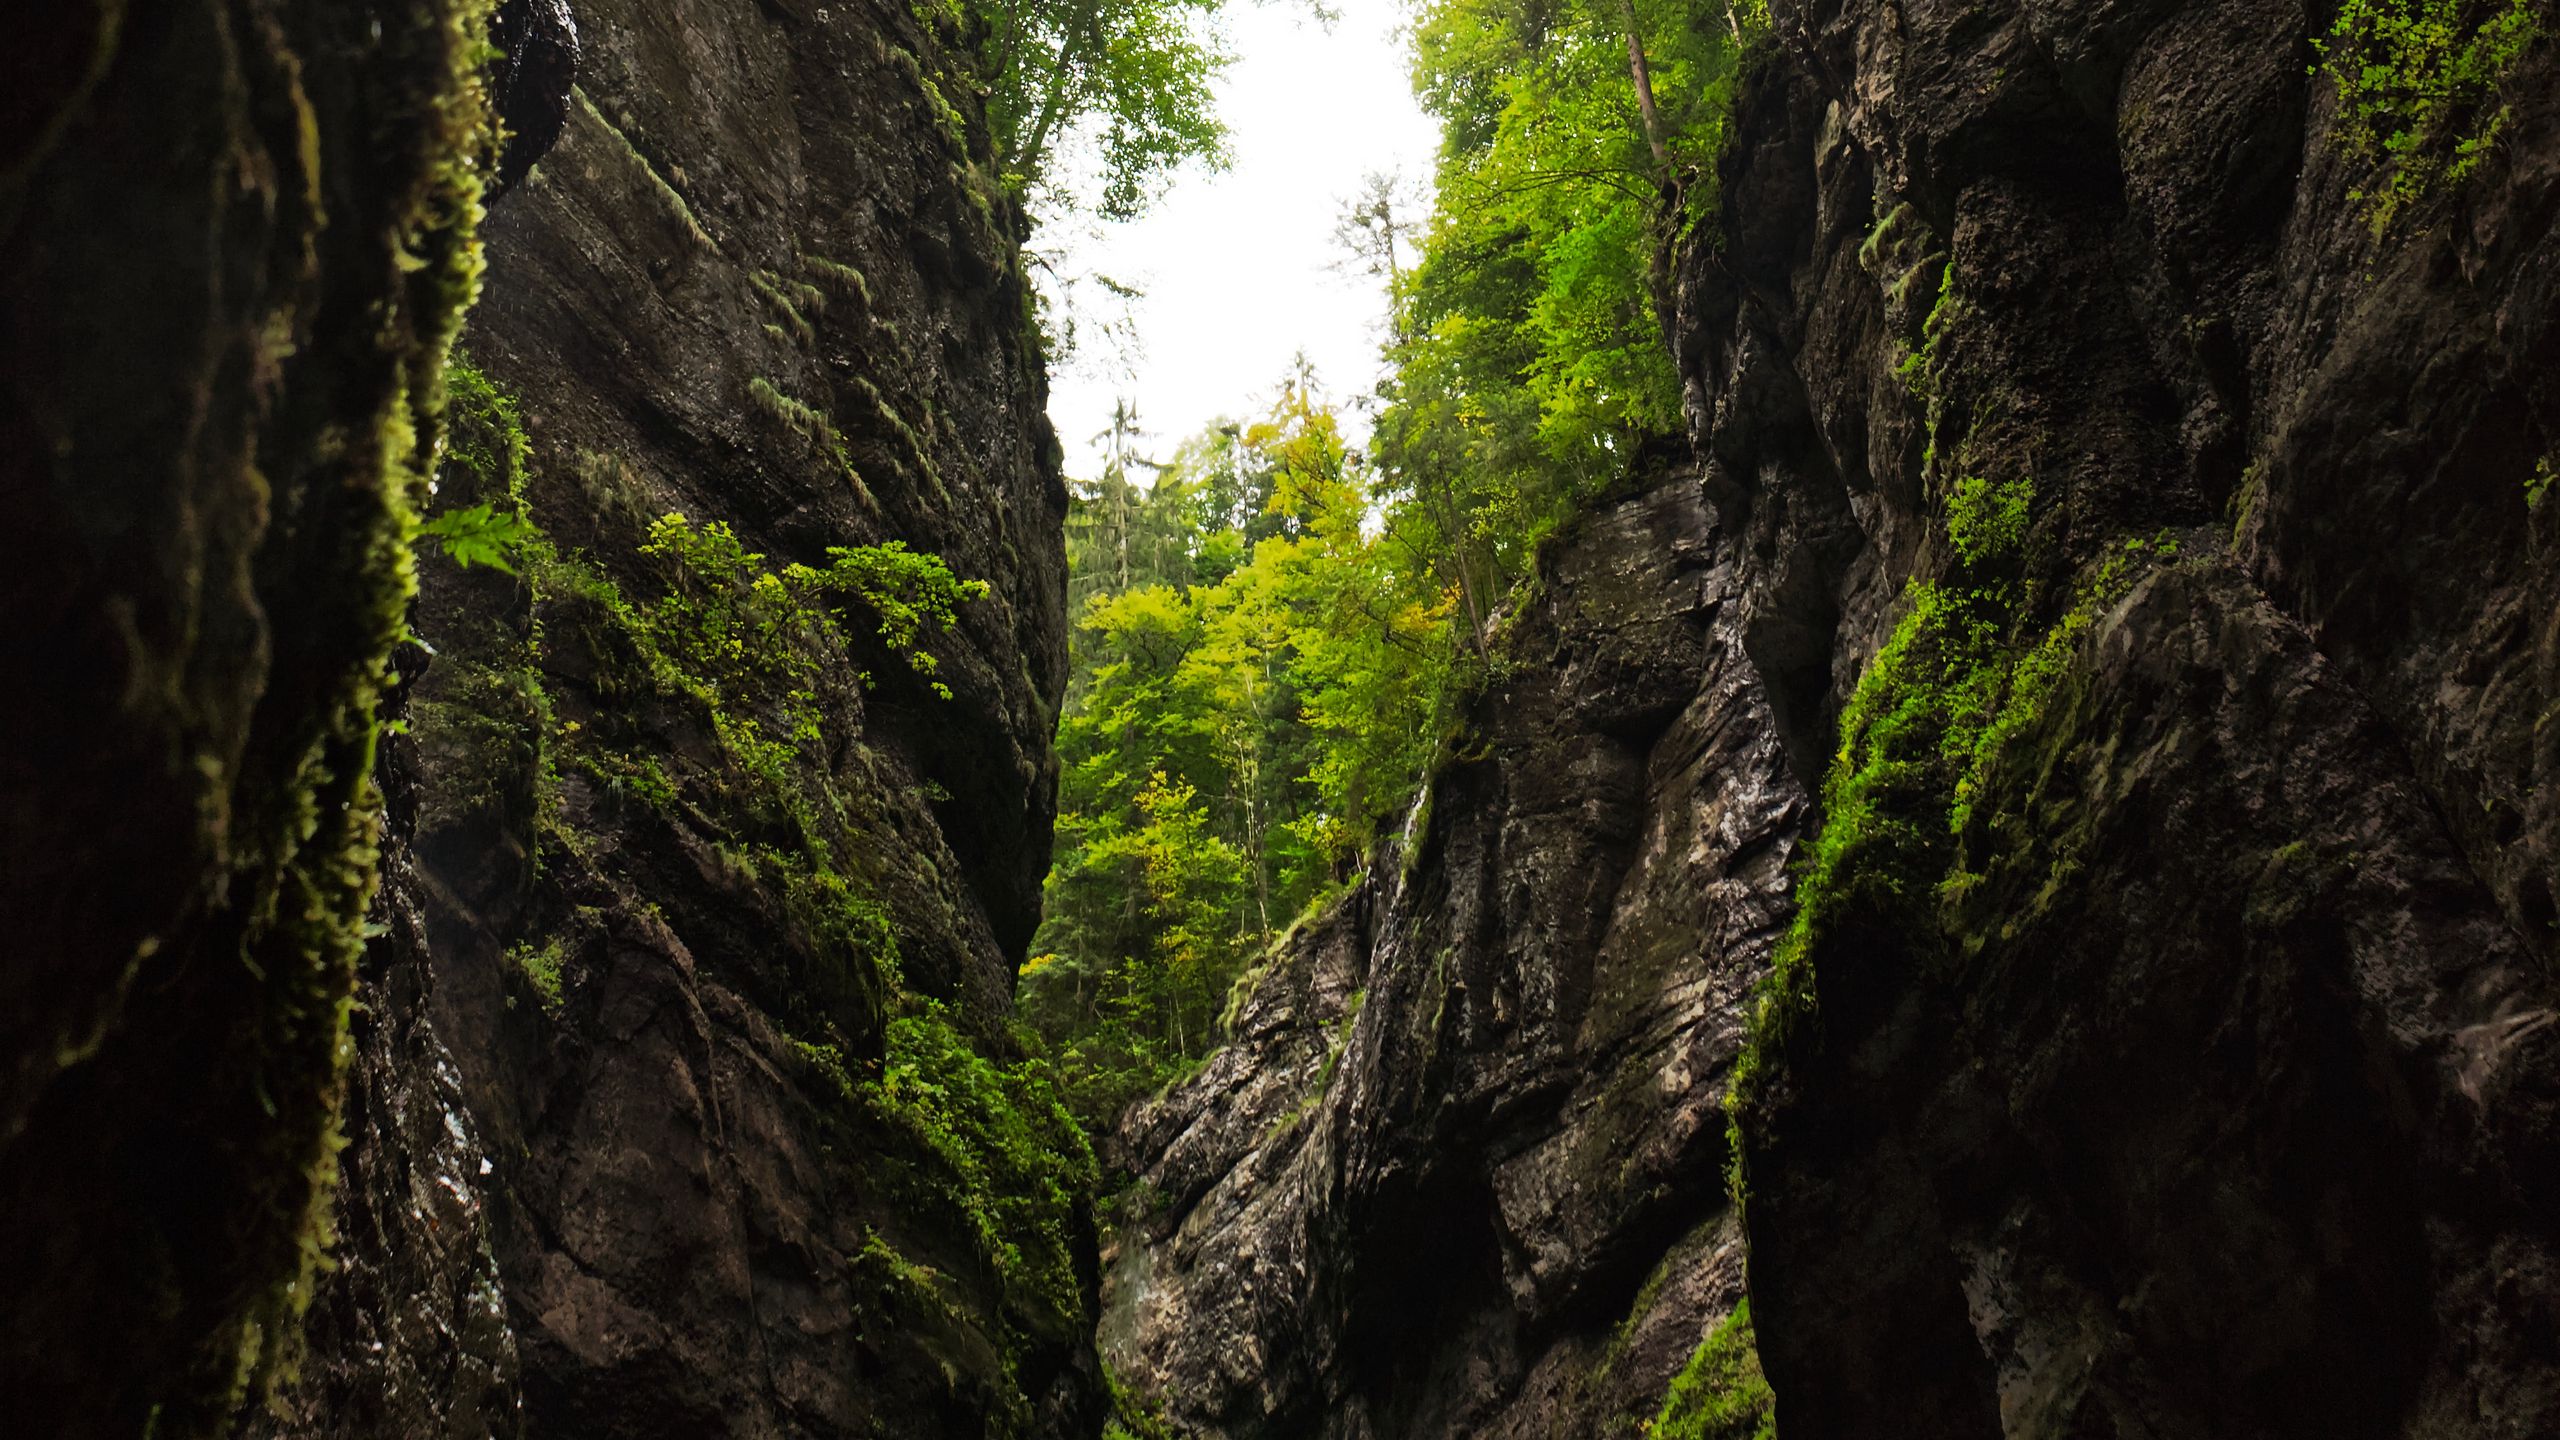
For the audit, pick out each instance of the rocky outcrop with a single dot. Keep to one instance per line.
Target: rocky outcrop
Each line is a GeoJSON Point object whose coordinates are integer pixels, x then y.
{"type": "Point", "coordinates": [684, 1083]}
{"type": "Point", "coordinates": [2111, 718]}
{"type": "Point", "coordinates": [234, 241]}
{"type": "Point", "coordinates": [2177, 1058]}
{"type": "Point", "coordinates": [1458, 1173]}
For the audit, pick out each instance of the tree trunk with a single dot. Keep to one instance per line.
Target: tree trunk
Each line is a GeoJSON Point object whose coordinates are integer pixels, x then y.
{"type": "Point", "coordinates": [1643, 74]}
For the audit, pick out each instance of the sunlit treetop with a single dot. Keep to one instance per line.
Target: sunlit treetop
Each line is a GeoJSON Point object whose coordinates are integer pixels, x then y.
{"type": "Point", "coordinates": [1126, 84]}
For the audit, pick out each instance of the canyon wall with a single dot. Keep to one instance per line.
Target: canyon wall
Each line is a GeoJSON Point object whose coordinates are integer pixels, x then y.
{"type": "Point", "coordinates": [2062, 769]}
{"type": "Point", "coordinates": [235, 240]}
{"type": "Point", "coordinates": [665, 1087]}
{"type": "Point", "coordinates": [2018, 843]}
{"type": "Point", "coordinates": [1459, 1171]}
{"type": "Point", "coordinates": [2179, 1059]}
{"type": "Point", "coordinates": [684, 1086]}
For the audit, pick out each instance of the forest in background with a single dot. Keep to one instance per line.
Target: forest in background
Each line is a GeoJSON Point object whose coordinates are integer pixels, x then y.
{"type": "Point", "coordinates": [1273, 628]}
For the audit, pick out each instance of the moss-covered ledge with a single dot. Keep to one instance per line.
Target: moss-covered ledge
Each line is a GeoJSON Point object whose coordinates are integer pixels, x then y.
{"type": "Point", "coordinates": [233, 252]}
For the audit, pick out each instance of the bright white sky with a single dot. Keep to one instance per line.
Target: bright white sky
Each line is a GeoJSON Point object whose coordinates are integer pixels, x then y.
{"type": "Point", "coordinates": [1235, 265]}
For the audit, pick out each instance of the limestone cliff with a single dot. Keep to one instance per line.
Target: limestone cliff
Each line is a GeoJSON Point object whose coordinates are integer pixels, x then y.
{"type": "Point", "coordinates": [235, 239]}
{"type": "Point", "coordinates": [1459, 1171]}
{"type": "Point", "coordinates": [2091, 687]}
{"type": "Point", "coordinates": [683, 1094]}
{"type": "Point", "coordinates": [2177, 1058]}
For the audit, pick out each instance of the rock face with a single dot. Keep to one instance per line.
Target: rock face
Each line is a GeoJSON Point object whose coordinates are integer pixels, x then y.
{"type": "Point", "coordinates": [700, 886]}
{"type": "Point", "coordinates": [2121, 593]}
{"type": "Point", "coordinates": [234, 241]}
{"type": "Point", "coordinates": [1459, 1171]}
{"type": "Point", "coordinates": [2213, 1090]}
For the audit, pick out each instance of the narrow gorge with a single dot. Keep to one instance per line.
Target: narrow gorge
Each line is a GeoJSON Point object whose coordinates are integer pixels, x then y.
{"type": "Point", "coordinates": [605, 835]}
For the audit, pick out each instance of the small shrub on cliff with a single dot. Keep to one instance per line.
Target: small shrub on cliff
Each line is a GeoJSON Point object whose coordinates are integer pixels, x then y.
{"type": "Point", "coordinates": [479, 535]}
{"type": "Point", "coordinates": [485, 457]}
{"type": "Point", "coordinates": [742, 625]}
{"type": "Point", "coordinates": [1987, 522]}
{"type": "Point", "coordinates": [2418, 84]}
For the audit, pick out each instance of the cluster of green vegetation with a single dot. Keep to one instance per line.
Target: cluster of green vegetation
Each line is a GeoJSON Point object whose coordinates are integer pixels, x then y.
{"type": "Point", "coordinates": [760, 656]}
{"type": "Point", "coordinates": [2419, 88]}
{"type": "Point", "coordinates": [1966, 673]}
{"type": "Point", "coordinates": [1273, 634]}
{"type": "Point", "coordinates": [1254, 687]}
{"type": "Point", "coordinates": [1012, 1160]}
{"type": "Point", "coordinates": [1132, 77]}
{"type": "Point", "coordinates": [1720, 1394]}
{"type": "Point", "coordinates": [1529, 361]}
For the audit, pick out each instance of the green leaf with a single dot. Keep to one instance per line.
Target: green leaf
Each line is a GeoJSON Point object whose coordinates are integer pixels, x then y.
{"type": "Point", "coordinates": [478, 535]}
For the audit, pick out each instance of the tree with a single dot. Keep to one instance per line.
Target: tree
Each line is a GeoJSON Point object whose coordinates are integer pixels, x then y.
{"type": "Point", "coordinates": [1375, 229]}
{"type": "Point", "coordinates": [1238, 720]}
{"type": "Point", "coordinates": [1135, 75]}
{"type": "Point", "coordinates": [1529, 367]}
{"type": "Point", "coordinates": [1276, 630]}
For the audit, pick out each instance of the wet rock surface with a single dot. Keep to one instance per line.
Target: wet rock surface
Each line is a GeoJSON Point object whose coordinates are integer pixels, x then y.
{"type": "Point", "coordinates": [763, 279]}
{"type": "Point", "coordinates": [2197, 1078]}
{"type": "Point", "coordinates": [233, 241]}
{"type": "Point", "coordinates": [2213, 1095]}
{"type": "Point", "coordinates": [410, 1334]}
{"type": "Point", "coordinates": [1458, 1172]}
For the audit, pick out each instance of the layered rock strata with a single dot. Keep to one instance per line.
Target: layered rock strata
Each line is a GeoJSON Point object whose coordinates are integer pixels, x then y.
{"type": "Point", "coordinates": [2192, 1072]}
{"type": "Point", "coordinates": [1458, 1173]}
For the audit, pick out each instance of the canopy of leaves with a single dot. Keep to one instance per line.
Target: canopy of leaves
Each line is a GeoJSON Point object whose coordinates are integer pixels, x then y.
{"type": "Point", "coordinates": [1253, 691]}
{"type": "Point", "coordinates": [1273, 633]}
{"type": "Point", "coordinates": [1131, 76]}
{"type": "Point", "coordinates": [1531, 364]}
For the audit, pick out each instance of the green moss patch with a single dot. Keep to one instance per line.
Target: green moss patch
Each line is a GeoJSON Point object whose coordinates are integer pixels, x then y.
{"type": "Point", "coordinates": [1964, 676]}
{"type": "Point", "coordinates": [1720, 1394]}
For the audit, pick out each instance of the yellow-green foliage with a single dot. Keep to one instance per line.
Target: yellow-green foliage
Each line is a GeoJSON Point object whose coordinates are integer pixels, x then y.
{"type": "Point", "coordinates": [1255, 686]}
{"type": "Point", "coordinates": [541, 966]}
{"type": "Point", "coordinates": [1720, 1394]}
{"type": "Point", "coordinates": [1919, 368]}
{"type": "Point", "coordinates": [2033, 678]}
{"type": "Point", "coordinates": [482, 711]}
{"type": "Point", "coordinates": [739, 627]}
{"type": "Point", "coordinates": [2418, 88]}
{"type": "Point", "coordinates": [1133, 77]}
{"type": "Point", "coordinates": [1528, 354]}
{"type": "Point", "coordinates": [1985, 521]}
{"type": "Point", "coordinates": [485, 441]}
